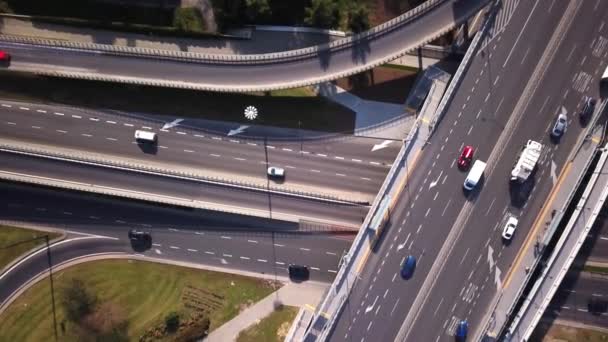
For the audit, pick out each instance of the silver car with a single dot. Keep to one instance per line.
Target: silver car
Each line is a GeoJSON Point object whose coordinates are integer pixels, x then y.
{"type": "Point", "coordinates": [560, 126]}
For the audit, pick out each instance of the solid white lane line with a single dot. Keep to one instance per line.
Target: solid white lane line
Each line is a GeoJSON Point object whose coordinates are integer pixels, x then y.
{"type": "Point", "coordinates": [520, 33]}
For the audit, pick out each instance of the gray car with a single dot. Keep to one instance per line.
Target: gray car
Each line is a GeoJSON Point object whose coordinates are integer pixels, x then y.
{"type": "Point", "coordinates": [560, 126]}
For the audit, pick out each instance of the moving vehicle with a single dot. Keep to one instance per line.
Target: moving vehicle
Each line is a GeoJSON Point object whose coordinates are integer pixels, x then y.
{"type": "Point", "coordinates": [298, 272]}
{"type": "Point", "coordinates": [145, 136]}
{"type": "Point", "coordinates": [474, 175]}
{"type": "Point", "coordinates": [5, 57]}
{"type": "Point", "coordinates": [276, 172]}
{"type": "Point", "coordinates": [526, 162]}
{"type": "Point", "coordinates": [461, 331]}
{"type": "Point", "coordinates": [560, 126]}
{"type": "Point", "coordinates": [509, 229]}
{"type": "Point", "coordinates": [408, 267]}
{"type": "Point", "coordinates": [140, 237]}
{"type": "Point", "coordinates": [588, 107]}
{"type": "Point", "coordinates": [466, 157]}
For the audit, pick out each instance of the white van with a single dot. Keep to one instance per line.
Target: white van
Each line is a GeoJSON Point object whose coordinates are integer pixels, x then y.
{"type": "Point", "coordinates": [145, 136]}
{"type": "Point", "coordinates": [474, 175]}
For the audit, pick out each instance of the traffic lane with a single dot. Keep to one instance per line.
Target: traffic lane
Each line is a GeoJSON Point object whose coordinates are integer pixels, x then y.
{"type": "Point", "coordinates": [335, 172]}
{"type": "Point", "coordinates": [72, 247]}
{"type": "Point", "coordinates": [509, 255]}
{"type": "Point", "coordinates": [263, 203]}
{"type": "Point", "coordinates": [572, 298]}
{"type": "Point", "coordinates": [242, 74]}
{"type": "Point", "coordinates": [333, 145]}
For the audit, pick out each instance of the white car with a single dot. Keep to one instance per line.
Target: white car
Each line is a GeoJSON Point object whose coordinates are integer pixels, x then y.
{"type": "Point", "coordinates": [277, 172]}
{"type": "Point", "coordinates": [560, 126]}
{"type": "Point", "coordinates": [507, 232]}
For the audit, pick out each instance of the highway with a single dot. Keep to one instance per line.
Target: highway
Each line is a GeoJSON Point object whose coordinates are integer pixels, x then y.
{"type": "Point", "coordinates": [336, 165]}
{"type": "Point", "coordinates": [512, 92]}
{"type": "Point", "coordinates": [247, 74]}
{"type": "Point", "coordinates": [218, 197]}
{"type": "Point", "coordinates": [572, 298]}
{"type": "Point", "coordinates": [201, 237]}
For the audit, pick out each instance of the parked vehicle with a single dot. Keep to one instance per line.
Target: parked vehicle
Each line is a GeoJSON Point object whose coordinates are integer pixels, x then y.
{"type": "Point", "coordinates": [588, 107]}
{"type": "Point", "coordinates": [408, 267]}
{"type": "Point", "coordinates": [474, 175]}
{"type": "Point", "coordinates": [466, 157]}
{"type": "Point", "coordinates": [145, 136]}
{"type": "Point", "coordinates": [526, 162]}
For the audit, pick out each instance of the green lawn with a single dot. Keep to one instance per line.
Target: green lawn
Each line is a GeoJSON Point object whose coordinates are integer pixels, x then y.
{"type": "Point", "coordinates": [16, 241]}
{"type": "Point", "coordinates": [292, 108]}
{"type": "Point", "coordinates": [145, 292]}
{"type": "Point", "coordinates": [272, 328]}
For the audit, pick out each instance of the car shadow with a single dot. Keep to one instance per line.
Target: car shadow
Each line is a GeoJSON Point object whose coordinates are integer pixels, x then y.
{"type": "Point", "coordinates": [148, 148]}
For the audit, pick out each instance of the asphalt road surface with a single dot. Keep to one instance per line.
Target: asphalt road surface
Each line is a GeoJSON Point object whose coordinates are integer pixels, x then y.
{"type": "Point", "coordinates": [339, 165]}
{"type": "Point", "coordinates": [499, 84]}
{"type": "Point", "coordinates": [247, 76]}
{"type": "Point", "coordinates": [219, 197]}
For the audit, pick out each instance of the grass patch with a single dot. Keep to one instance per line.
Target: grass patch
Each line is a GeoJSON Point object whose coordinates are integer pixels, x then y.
{"type": "Point", "coordinates": [272, 328]}
{"type": "Point", "coordinates": [561, 333]}
{"type": "Point", "coordinates": [401, 67]}
{"type": "Point", "coordinates": [145, 292]}
{"type": "Point", "coordinates": [16, 241]}
{"type": "Point", "coordinates": [283, 108]}
{"type": "Point", "coordinates": [595, 269]}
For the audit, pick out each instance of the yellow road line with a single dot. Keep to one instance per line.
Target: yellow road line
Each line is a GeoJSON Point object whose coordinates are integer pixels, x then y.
{"type": "Point", "coordinates": [310, 307]}
{"type": "Point", "coordinates": [537, 224]}
{"type": "Point", "coordinates": [596, 140]}
{"type": "Point", "coordinates": [407, 177]}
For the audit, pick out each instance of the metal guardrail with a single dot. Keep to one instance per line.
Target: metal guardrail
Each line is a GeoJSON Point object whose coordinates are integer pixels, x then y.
{"type": "Point", "coordinates": [139, 168]}
{"type": "Point", "coordinates": [277, 57]}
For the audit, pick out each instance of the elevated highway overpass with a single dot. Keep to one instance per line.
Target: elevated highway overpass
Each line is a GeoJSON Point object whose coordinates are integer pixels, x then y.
{"type": "Point", "coordinates": [241, 73]}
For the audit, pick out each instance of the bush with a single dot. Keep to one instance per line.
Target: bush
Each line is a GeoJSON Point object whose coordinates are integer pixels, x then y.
{"type": "Point", "coordinates": [188, 20]}
{"type": "Point", "coordinates": [323, 14]}
{"type": "Point", "coordinates": [172, 321]}
{"type": "Point", "coordinates": [358, 19]}
{"type": "Point", "coordinates": [77, 301]}
{"type": "Point", "coordinates": [195, 331]}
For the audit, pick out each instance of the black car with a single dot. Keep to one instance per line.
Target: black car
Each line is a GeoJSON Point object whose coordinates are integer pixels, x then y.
{"type": "Point", "coordinates": [298, 272]}
{"type": "Point", "coordinates": [588, 107]}
{"type": "Point", "coordinates": [597, 306]}
{"type": "Point", "coordinates": [140, 237]}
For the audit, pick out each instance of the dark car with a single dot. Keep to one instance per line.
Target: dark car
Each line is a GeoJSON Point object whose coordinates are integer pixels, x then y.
{"type": "Point", "coordinates": [597, 306]}
{"type": "Point", "coordinates": [298, 272]}
{"type": "Point", "coordinates": [466, 157]}
{"type": "Point", "coordinates": [140, 237]}
{"type": "Point", "coordinates": [461, 331]}
{"type": "Point", "coordinates": [408, 267]}
{"type": "Point", "coordinates": [588, 107]}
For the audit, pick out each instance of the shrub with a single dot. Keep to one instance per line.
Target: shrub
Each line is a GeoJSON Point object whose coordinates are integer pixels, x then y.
{"type": "Point", "coordinates": [188, 20]}
{"type": "Point", "coordinates": [172, 321]}
{"type": "Point", "coordinates": [77, 301]}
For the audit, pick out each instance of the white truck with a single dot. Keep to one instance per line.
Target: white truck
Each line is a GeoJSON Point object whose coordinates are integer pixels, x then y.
{"type": "Point", "coordinates": [528, 158]}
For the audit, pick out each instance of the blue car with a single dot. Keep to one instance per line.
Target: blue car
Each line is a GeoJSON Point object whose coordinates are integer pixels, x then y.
{"type": "Point", "coordinates": [461, 331]}
{"type": "Point", "coordinates": [408, 267]}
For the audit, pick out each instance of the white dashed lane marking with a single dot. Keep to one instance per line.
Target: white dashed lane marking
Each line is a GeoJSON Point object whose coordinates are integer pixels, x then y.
{"type": "Point", "coordinates": [24, 108]}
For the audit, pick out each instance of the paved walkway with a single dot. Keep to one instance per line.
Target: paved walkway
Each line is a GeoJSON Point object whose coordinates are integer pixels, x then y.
{"type": "Point", "coordinates": [292, 294]}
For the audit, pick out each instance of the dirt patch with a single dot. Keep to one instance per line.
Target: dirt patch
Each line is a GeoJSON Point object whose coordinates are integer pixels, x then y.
{"type": "Point", "coordinates": [385, 10]}
{"type": "Point", "coordinates": [384, 84]}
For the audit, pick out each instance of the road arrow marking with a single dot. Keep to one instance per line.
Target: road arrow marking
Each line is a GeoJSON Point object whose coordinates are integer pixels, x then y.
{"type": "Point", "coordinates": [381, 145]}
{"type": "Point", "coordinates": [433, 183]}
{"type": "Point", "coordinates": [172, 123]}
{"type": "Point", "coordinates": [401, 245]}
{"type": "Point", "coordinates": [497, 279]}
{"type": "Point", "coordinates": [241, 129]}
{"type": "Point", "coordinates": [490, 257]}
{"type": "Point", "coordinates": [371, 307]}
{"type": "Point", "coordinates": [553, 172]}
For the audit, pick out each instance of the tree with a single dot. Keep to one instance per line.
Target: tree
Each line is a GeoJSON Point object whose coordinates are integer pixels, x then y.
{"type": "Point", "coordinates": [323, 14]}
{"type": "Point", "coordinates": [77, 300]}
{"type": "Point", "coordinates": [358, 19]}
{"type": "Point", "coordinates": [257, 9]}
{"type": "Point", "coordinates": [172, 321]}
{"type": "Point", "coordinates": [188, 19]}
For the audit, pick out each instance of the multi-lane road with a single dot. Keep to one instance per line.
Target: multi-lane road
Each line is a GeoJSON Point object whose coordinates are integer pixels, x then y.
{"type": "Point", "coordinates": [334, 165]}
{"type": "Point", "coordinates": [513, 91]}
{"type": "Point", "coordinates": [251, 73]}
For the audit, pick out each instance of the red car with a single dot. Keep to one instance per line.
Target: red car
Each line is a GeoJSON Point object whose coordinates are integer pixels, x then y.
{"type": "Point", "coordinates": [466, 157]}
{"type": "Point", "coordinates": [4, 57]}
